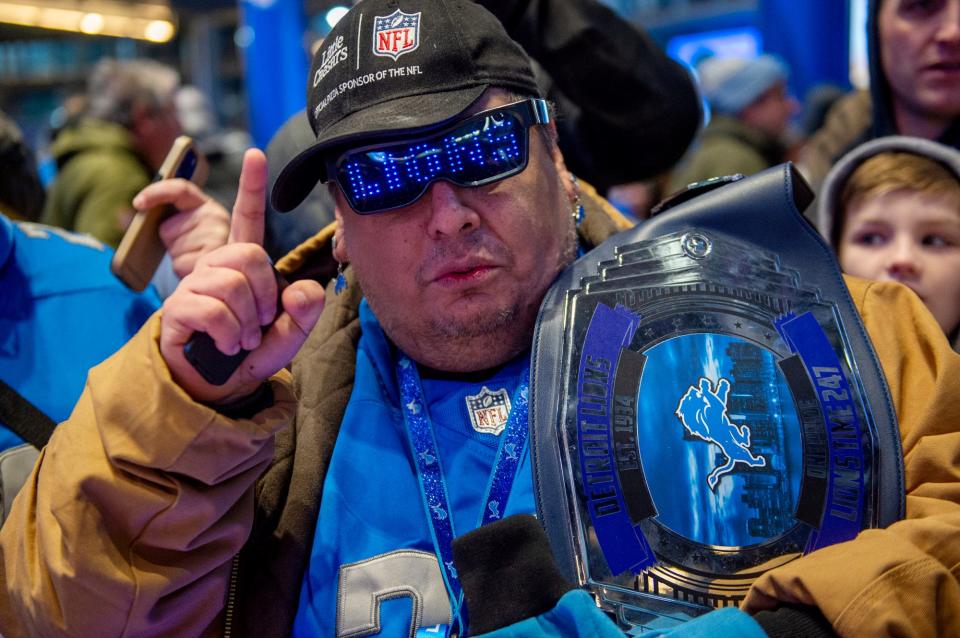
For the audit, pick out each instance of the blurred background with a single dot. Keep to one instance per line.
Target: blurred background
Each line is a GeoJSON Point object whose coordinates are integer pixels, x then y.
{"type": "Point", "coordinates": [249, 59]}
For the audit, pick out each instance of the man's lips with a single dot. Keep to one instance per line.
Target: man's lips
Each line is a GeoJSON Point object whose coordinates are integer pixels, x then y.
{"type": "Point", "coordinates": [461, 272]}
{"type": "Point", "coordinates": [943, 66]}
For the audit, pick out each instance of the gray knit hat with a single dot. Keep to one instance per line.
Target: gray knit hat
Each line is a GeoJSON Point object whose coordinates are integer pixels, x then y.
{"type": "Point", "coordinates": [828, 218]}
{"type": "Point", "coordinates": [731, 84]}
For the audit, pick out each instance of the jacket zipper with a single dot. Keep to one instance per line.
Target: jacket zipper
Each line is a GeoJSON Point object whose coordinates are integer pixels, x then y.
{"type": "Point", "coordinates": [231, 596]}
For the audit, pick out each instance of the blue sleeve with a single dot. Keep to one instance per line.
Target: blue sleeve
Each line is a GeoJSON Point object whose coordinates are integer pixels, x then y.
{"type": "Point", "coordinates": [729, 622]}
{"type": "Point", "coordinates": [576, 616]}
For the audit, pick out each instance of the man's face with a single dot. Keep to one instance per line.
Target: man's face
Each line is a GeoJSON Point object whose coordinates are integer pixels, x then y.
{"type": "Point", "coordinates": [771, 112]}
{"type": "Point", "coordinates": [456, 278]}
{"type": "Point", "coordinates": [154, 131]}
{"type": "Point", "coordinates": [910, 237]}
{"type": "Point", "coordinates": [920, 55]}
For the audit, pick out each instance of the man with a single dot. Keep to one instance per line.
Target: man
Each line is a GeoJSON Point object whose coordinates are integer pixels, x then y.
{"type": "Point", "coordinates": [914, 55]}
{"type": "Point", "coordinates": [750, 111]}
{"type": "Point", "coordinates": [438, 305]}
{"type": "Point", "coordinates": [114, 150]}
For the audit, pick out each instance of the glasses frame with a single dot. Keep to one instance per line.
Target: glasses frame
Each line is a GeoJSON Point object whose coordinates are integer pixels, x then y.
{"type": "Point", "coordinates": [529, 111]}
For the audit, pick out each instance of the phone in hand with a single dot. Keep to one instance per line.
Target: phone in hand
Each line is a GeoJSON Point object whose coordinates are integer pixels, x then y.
{"type": "Point", "coordinates": [141, 249]}
{"type": "Point", "coordinates": [213, 365]}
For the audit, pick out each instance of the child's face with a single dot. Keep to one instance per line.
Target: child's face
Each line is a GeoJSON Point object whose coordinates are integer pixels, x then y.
{"type": "Point", "coordinates": [910, 237]}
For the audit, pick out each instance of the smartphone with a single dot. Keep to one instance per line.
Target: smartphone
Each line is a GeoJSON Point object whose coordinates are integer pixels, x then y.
{"type": "Point", "coordinates": [141, 249]}
{"type": "Point", "coordinates": [213, 365]}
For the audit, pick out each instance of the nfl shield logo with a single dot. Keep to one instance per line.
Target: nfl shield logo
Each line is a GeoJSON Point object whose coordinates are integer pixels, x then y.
{"type": "Point", "coordinates": [489, 410]}
{"type": "Point", "coordinates": [396, 34]}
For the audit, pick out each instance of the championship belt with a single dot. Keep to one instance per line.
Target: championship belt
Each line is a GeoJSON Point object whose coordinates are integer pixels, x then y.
{"type": "Point", "coordinates": [706, 406]}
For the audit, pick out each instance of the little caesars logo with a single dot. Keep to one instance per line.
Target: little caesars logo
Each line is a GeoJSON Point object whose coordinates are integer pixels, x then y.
{"type": "Point", "coordinates": [331, 57]}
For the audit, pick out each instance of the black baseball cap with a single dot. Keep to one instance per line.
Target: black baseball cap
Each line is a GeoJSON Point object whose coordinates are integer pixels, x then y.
{"type": "Point", "coordinates": [394, 67]}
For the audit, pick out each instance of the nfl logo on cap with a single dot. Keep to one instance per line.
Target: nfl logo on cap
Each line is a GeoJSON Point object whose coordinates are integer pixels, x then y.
{"type": "Point", "coordinates": [396, 34]}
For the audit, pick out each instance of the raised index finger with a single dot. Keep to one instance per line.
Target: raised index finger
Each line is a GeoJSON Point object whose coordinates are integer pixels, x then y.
{"type": "Point", "coordinates": [246, 225]}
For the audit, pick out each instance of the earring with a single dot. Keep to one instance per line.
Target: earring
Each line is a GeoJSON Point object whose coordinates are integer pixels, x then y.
{"type": "Point", "coordinates": [577, 213]}
{"type": "Point", "coordinates": [341, 281]}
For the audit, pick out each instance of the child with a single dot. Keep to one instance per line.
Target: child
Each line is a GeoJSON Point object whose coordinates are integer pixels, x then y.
{"type": "Point", "coordinates": [891, 210]}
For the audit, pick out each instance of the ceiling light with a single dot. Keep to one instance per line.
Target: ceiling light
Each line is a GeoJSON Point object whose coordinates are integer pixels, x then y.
{"type": "Point", "coordinates": [154, 22]}
{"type": "Point", "coordinates": [91, 23]}
{"type": "Point", "coordinates": [159, 31]}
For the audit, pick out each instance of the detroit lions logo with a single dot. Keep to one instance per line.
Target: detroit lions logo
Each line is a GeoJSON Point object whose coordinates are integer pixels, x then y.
{"type": "Point", "coordinates": [703, 413]}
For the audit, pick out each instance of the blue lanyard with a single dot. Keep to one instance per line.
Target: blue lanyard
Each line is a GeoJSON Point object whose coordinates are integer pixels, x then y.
{"type": "Point", "coordinates": [433, 486]}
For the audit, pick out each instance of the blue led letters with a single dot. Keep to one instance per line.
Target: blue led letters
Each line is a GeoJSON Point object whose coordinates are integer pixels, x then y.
{"type": "Point", "coordinates": [480, 150]}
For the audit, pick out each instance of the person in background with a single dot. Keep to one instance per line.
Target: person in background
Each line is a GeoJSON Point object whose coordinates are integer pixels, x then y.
{"type": "Point", "coordinates": [891, 210]}
{"type": "Point", "coordinates": [62, 311]}
{"type": "Point", "coordinates": [750, 111]}
{"type": "Point", "coordinates": [914, 57]}
{"type": "Point", "coordinates": [341, 497]}
{"type": "Point", "coordinates": [112, 152]}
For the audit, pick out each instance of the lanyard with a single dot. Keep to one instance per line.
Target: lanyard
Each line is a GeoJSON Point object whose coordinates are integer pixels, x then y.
{"type": "Point", "coordinates": [433, 485]}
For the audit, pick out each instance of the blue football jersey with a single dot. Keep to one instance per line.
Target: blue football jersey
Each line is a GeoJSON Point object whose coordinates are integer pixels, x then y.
{"type": "Point", "coordinates": [373, 566]}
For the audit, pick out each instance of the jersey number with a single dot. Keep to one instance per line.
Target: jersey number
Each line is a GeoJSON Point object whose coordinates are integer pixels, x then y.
{"type": "Point", "coordinates": [403, 573]}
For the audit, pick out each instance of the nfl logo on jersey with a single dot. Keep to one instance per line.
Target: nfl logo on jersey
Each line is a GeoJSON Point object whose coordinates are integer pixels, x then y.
{"type": "Point", "coordinates": [396, 34]}
{"type": "Point", "coordinates": [488, 410]}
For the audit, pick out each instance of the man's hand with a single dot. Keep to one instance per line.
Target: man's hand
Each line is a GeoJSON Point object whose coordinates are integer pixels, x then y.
{"type": "Point", "coordinates": [231, 294]}
{"type": "Point", "coordinates": [200, 225]}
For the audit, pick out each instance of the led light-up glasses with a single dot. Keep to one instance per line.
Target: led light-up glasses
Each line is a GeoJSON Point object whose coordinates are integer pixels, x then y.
{"type": "Point", "coordinates": [481, 149]}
